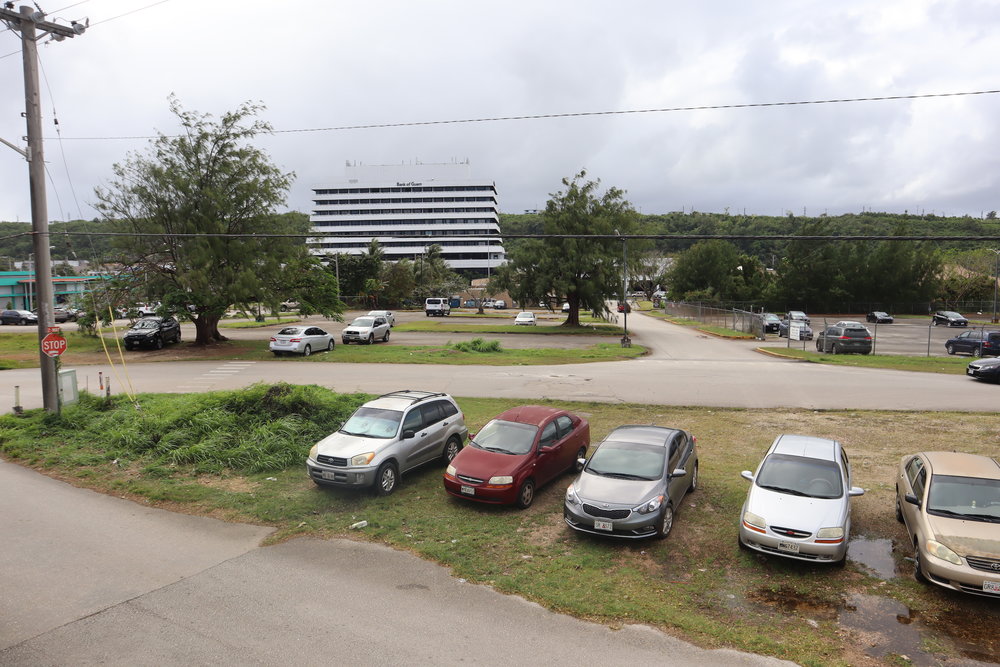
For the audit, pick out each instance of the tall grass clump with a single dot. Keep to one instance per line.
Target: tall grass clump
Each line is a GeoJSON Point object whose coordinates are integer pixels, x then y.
{"type": "Point", "coordinates": [478, 345]}
{"type": "Point", "coordinates": [258, 429]}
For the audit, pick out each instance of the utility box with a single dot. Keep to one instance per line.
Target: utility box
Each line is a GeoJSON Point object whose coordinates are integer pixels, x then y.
{"type": "Point", "coordinates": [68, 391]}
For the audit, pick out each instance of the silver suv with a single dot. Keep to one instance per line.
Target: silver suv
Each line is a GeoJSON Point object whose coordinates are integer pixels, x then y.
{"type": "Point", "coordinates": [388, 436]}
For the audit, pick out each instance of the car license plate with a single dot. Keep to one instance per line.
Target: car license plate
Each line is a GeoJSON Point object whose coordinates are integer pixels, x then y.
{"type": "Point", "coordinates": [790, 547]}
{"type": "Point", "coordinates": [969, 371]}
{"type": "Point", "coordinates": [468, 490]}
{"type": "Point", "coordinates": [327, 474]}
{"type": "Point", "coordinates": [603, 525]}
{"type": "Point", "coordinates": [991, 586]}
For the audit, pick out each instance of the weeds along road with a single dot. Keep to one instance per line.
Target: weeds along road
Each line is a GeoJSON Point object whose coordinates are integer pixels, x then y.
{"type": "Point", "coordinates": [90, 579]}
{"type": "Point", "coordinates": [684, 367]}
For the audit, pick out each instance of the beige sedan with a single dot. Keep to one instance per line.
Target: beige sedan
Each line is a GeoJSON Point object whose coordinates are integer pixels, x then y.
{"type": "Point", "coordinates": [950, 503]}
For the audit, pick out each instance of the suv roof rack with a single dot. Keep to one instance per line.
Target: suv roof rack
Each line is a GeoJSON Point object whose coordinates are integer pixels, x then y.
{"type": "Point", "coordinates": [402, 393]}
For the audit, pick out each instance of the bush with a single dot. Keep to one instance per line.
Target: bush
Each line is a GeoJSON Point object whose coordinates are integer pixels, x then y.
{"type": "Point", "coordinates": [478, 345]}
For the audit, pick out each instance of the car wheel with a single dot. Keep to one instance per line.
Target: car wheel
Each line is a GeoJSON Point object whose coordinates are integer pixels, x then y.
{"type": "Point", "coordinates": [451, 449]}
{"type": "Point", "coordinates": [371, 339]}
{"type": "Point", "coordinates": [978, 352]}
{"type": "Point", "coordinates": [276, 353]}
{"type": "Point", "coordinates": [526, 494]}
{"type": "Point", "coordinates": [307, 351]}
{"type": "Point", "coordinates": [23, 322]}
{"type": "Point", "coordinates": [918, 570]}
{"type": "Point", "coordinates": [819, 348]}
{"type": "Point", "coordinates": [949, 348]}
{"type": "Point", "coordinates": [694, 480]}
{"type": "Point", "coordinates": [329, 346]}
{"type": "Point", "coordinates": [177, 339]}
{"type": "Point", "coordinates": [386, 478]}
{"type": "Point", "coordinates": [580, 454]}
{"type": "Point", "coordinates": [666, 522]}
{"type": "Point", "coordinates": [899, 509]}
{"type": "Point", "coordinates": [158, 343]}
{"type": "Point", "coordinates": [833, 349]}
{"type": "Point", "coordinates": [345, 341]}
{"type": "Point", "coordinates": [385, 338]}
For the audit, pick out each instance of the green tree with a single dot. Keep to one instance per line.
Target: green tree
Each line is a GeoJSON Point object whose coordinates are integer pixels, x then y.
{"type": "Point", "coordinates": [707, 269]}
{"type": "Point", "coordinates": [588, 271]}
{"type": "Point", "coordinates": [397, 278]}
{"type": "Point", "coordinates": [208, 184]}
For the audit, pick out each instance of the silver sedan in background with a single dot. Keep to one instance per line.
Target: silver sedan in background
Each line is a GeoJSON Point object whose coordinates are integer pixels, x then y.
{"type": "Point", "coordinates": [302, 340]}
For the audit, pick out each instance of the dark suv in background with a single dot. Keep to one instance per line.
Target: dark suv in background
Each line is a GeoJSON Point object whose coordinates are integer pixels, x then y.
{"type": "Point", "coordinates": [977, 342]}
{"type": "Point", "coordinates": [844, 339]}
{"type": "Point", "coordinates": [153, 332]}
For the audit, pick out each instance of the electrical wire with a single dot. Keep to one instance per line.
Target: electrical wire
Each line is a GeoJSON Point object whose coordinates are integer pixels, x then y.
{"type": "Point", "coordinates": [62, 148]}
{"type": "Point", "coordinates": [584, 114]}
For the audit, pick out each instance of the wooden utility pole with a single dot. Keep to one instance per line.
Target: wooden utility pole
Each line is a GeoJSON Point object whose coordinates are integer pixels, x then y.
{"type": "Point", "coordinates": [30, 23]}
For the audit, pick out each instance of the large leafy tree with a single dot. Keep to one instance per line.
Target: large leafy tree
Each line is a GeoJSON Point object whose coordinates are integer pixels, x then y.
{"type": "Point", "coordinates": [193, 203]}
{"type": "Point", "coordinates": [588, 271]}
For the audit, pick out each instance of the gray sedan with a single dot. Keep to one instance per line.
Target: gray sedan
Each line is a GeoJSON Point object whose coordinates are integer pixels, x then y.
{"type": "Point", "coordinates": [633, 483]}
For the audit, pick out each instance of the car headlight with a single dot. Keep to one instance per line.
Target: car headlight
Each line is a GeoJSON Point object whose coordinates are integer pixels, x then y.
{"type": "Point", "coordinates": [314, 452]}
{"type": "Point", "coordinates": [830, 533]}
{"type": "Point", "coordinates": [571, 497]}
{"type": "Point", "coordinates": [935, 548]}
{"type": "Point", "coordinates": [450, 470]}
{"type": "Point", "coordinates": [362, 459]}
{"type": "Point", "coordinates": [649, 506]}
{"type": "Point", "coordinates": [755, 520]}
{"type": "Point", "coordinates": [501, 479]}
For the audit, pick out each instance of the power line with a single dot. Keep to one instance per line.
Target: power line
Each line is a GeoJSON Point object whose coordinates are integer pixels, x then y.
{"type": "Point", "coordinates": [614, 237]}
{"type": "Point", "coordinates": [583, 114]}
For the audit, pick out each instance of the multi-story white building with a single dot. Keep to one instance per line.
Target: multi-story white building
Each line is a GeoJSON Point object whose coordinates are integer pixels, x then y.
{"type": "Point", "coordinates": [408, 208]}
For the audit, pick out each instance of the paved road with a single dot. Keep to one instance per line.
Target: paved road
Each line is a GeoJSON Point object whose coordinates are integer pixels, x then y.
{"type": "Point", "coordinates": [684, 368]}
{"type": "Point", "coordinates": [88, 579]}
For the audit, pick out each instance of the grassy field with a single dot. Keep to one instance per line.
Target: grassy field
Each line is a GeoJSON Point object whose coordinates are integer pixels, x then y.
{"type": "Point", "coordinates": [20, 350]}
{"type": "Point", "coordinates": [238, 456]}
{"type": "Point", "coordinates": [949, 365]}
{"type": "Point", "coordinates": [450, 326]}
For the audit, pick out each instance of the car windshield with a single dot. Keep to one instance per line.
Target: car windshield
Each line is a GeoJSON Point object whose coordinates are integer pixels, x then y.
{"type": "Point", "coordinates": [800, 476]}
{"type": "Point", "coordinates": [363, 322]}
{"type": "Point", "coordinates": [628, 460]}
{"type": "Point", "coordinates": [506, 437]}
{"type": "Point", "coordinates": [147, 324]}
{"type": "Point", "coordinates": [771, 318]}
{"type": "Point", "coordinates": [965, 497]}
{"type": "Point", "coordinates": [797, 315]}
{"type": "Point", "coordinates": [377, 313]}
{"type": "Point", "coordinates": [373, 423]}
{"type": "Point", "coordinates": [950, 313]}
{"type": "Point", "coordinates": [290, 331]}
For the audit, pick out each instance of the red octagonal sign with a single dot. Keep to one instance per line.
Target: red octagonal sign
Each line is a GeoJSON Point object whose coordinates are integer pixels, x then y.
{"type": "Point", "coordinates": [53, 344]}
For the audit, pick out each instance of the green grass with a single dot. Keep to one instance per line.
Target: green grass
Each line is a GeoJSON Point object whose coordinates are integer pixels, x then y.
{"type": "Point", "coordinates": [254, 324]}
{"type": "Point", "coordinates": [239, 455]}
{"type": "Point", "coordinates": [948, 365]}
{"type": "Point", "coordinates": [445, 326]}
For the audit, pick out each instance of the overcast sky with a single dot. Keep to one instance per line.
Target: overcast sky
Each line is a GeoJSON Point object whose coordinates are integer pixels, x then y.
{"type": "Point", "coordinates": [332, 64]}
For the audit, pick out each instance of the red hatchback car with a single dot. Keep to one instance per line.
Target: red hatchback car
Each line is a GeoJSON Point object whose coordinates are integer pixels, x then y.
{"type": "Point", "coordinates": [516, 453]}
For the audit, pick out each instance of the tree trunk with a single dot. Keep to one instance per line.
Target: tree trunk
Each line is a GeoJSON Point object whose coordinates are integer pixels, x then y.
{"type": "Point", "coordinates": [207, 328]}
{"type": "Point", "coordinates": [573, 318]}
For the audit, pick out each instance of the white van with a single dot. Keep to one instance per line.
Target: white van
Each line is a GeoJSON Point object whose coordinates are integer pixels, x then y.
{"type": "Point", "coordinates": [437, 306]}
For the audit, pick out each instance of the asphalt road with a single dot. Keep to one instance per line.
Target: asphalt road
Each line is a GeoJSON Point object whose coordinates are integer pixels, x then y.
{"type": "Point", "coordinates": [683, 368]}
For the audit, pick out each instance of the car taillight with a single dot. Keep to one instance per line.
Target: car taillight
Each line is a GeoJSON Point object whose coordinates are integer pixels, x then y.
{"type": "Point", "coordinates": [294, 340]}
{"type": "Point", "coordinates": [273, 339]}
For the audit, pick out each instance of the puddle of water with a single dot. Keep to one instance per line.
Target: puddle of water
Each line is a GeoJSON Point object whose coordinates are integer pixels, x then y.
{"type": "Point", "coordinates": [791, 601]}
{"type": "Point", "coordinates": [884, 627]}
{"type": "Point", "coordinates": [873, 555]}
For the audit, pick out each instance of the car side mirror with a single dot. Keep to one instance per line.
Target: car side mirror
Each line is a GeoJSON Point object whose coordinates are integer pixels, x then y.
{"type": "Point", "coordinates": [678, 472]}
{"type": "Point", "coordinates": [856, 491]}
{"type": "Point", "coordinates": [747, 475]}
{"type": "Point", "coordinates": [581, 462]}
{"type": "Point", "coordinates": [912, 499]}
{"type": "Point", "coordinates": [408, 434]}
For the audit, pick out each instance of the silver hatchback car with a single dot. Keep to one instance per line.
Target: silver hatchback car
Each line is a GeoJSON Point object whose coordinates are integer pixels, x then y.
{"type": "Point", "coordinates": [798, 504]}
{"type": "Point", "coordinates": [386, 437]}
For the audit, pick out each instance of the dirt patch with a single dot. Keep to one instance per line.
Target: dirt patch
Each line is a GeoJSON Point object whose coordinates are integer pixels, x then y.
{"type": "Point", "coordinates": [233, 484]}
{"type": "Point", "coordinates": [551, 531]}
{"type": "Point", "coordinates": [790, 601]}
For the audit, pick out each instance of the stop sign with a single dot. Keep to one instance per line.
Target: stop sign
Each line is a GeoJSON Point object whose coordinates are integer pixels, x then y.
{"type": "Point", "coordinates": [53, 344]}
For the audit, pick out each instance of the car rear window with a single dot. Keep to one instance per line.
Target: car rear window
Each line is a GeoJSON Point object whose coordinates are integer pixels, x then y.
{"type": "Point", "coordinates": [856, 333]}
{"type": "Point", "coordinates": [289, 331]}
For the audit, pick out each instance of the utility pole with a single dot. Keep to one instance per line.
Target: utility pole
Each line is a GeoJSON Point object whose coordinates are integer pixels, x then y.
{"type": "Point", "coordinates": [32, 26]}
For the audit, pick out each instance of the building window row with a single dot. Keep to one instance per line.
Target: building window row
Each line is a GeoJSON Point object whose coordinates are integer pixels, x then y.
{"type": "Point", "coordinates": [401, 200]}
{"type": "Point", "coordinates": [400, 211]}
{"type": "Point", "coordinates": [406, 223]}
{"type": "Point", "coordinates": [416, 188]}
